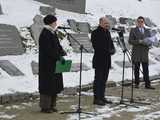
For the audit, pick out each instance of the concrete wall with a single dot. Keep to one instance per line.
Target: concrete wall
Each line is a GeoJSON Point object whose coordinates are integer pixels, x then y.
{"type": "Point", "coordinates": [0, 9]}
{"type": "Point", "coordinates": [10, 41]}
{"type": "Point", "coordinates": [70, 5]}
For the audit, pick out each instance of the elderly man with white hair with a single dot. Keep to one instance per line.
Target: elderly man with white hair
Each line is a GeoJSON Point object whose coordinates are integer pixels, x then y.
{"type": "Point", "coordinates": [103, 49]}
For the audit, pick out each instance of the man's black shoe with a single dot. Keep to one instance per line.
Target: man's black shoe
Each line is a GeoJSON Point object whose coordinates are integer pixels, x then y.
{"type": "Point", "coordinates": [99, 102]}
{"type": "Point", "coordinates": [136, 86]}
{"type": "Point", "coordinates": [46, 110]}
{"type": "Point", "coordinates": [106, 101]}
{"type": "Point", "coordinates": [149, 87]}
{"type": "Point", "coordinates": [54, 109]}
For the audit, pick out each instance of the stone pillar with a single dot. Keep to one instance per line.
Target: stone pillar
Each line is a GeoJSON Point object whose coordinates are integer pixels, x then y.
{"type": "Point", "coordinates": [1, 10]}
{"type": "Point", "coordinates": [37, 27]}
{"type": "Point", "coordinates": [70, 5]}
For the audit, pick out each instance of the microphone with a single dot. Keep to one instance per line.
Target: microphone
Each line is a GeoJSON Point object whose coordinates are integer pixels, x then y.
{"type": "Point", "coordinates": [60, 27]}
{"type": "Point", "coordinates": [120, 32]}
{"type": "Point", "coordinates": [116, 29]}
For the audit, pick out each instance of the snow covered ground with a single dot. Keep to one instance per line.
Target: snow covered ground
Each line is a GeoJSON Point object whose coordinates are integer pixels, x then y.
{"type": "Point", "coordinates": [125, 8]}
{"type": "Point", "coordinates": [22, 13]}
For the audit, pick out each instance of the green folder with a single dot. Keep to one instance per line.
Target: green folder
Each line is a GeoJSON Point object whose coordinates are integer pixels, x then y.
{"type": "Point", "coordinates": [63, 67]}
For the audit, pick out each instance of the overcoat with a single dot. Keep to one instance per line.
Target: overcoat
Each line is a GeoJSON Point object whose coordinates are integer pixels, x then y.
{"type": "Point", "coordinates": [50, 51]}
{"type": "Point", "coordinates": [139, 49]}
{"type": "Point", "coordinates": [103, 48]}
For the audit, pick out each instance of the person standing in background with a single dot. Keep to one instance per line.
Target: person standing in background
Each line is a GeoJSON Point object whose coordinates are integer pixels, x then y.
{"type": "Point", "coordinates": [140, 51]}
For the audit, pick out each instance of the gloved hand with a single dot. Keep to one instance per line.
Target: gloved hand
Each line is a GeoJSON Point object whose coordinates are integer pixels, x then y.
{"type": "Point", "coordinates": [62, 60]}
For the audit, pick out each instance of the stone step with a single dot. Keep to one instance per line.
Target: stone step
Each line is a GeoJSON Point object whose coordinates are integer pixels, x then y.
{"type": "Point", "coordinates": [128, 64]}
{"type": "Point", "coordinates": [10, 68]}
{"type": "Point", "coordinates": [69, 5]}
{"type": "Point", "coordinates": [82, 39]}
{"type": "Point", "coordinates": [84, 51]}
{"type": "Point", "coordinates": [1, 10]}
{"type": "Point", "coordinates": [85, 46]}
{"type": "Point", "coordinates": [34, 66]}
{"type": "Point", "coordinates": [10, 41]}
{"type": "Point", "coordinates": [74, 68]}
{"type": "Point", "coordinates": [83, 27]}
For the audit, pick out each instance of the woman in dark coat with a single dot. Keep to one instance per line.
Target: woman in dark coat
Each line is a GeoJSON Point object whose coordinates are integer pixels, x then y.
{"type": "Point", "coordinates": [50, 50]}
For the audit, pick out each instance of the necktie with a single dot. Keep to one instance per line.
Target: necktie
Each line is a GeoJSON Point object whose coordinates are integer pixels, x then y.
{"type": "Point", "coordinates": [142, 30]}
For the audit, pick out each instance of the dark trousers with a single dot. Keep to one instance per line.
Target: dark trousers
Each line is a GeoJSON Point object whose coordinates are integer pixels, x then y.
{"type": "Point", "coordinates": [99, 85]}
{"type": "Point", "coordinates": [145, 73]}
{"type": "Point", "coordinates": [47, 101]}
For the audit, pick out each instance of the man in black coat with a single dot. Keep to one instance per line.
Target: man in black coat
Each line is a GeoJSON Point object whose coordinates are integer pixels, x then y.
{"type": "Point", "coordinates": [50, 50]}
{"type": "Point", "coordinates": [103, 49]}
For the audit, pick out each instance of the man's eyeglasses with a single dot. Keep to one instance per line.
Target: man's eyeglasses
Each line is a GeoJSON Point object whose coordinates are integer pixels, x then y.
{"type": "Point", "coordinates": [140, 21]}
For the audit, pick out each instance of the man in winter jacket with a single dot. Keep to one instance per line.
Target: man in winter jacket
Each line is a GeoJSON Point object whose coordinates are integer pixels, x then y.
{"type": "Point", "coordinates": [103, 49]}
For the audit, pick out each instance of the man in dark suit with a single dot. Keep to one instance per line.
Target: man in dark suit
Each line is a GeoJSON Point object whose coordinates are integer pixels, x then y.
{"type": "Point", "coordinates": [103, 48]}
{"type": "Point", "coordinates": [140, 51]}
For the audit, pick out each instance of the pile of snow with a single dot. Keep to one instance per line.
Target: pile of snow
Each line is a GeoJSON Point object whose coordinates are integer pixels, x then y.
{"type": "Point", "coordinates": [21, 15]}
{"type": "Point", "coordinates": [124, 8]}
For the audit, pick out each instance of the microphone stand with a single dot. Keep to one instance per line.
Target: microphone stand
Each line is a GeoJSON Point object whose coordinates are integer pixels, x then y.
{"type": "Point", "coordinates": [79, 109]}
{"type": "Point", "coordinates": [126, 51]}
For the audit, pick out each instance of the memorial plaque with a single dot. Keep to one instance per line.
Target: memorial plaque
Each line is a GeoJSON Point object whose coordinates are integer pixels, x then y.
{"type": "Point", "coordinates": [10, 68]}
{"type": "Point", "coordinates": [10, 41]}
